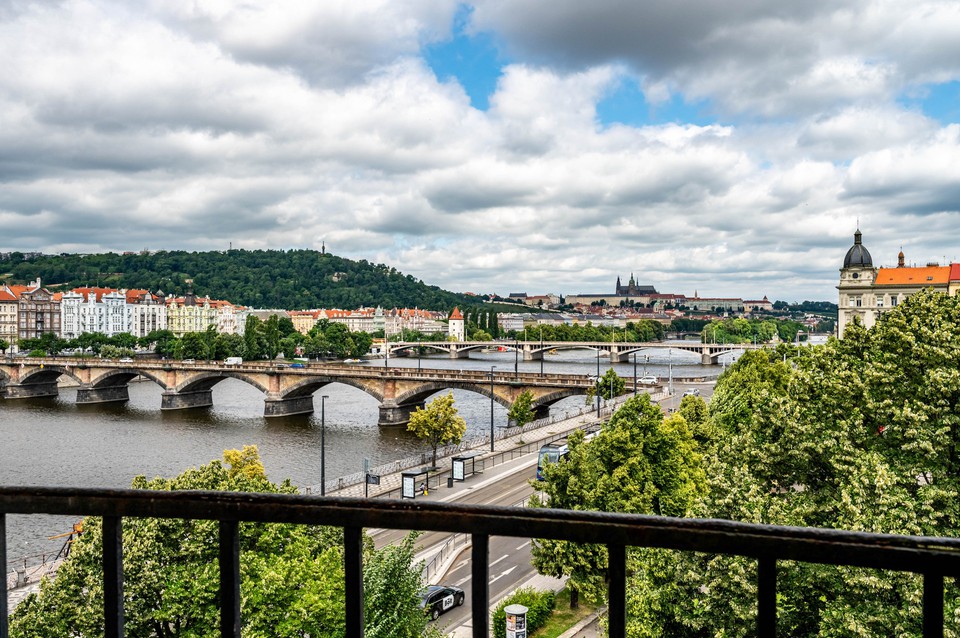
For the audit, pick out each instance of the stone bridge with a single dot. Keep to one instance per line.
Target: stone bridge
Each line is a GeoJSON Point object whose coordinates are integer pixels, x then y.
{"type": "Point", "coordinates": [287, 390]}
{"type": "Point", "coordinates": [619, 352]}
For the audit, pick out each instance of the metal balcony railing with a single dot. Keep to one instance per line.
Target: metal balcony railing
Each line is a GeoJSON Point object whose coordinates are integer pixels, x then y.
{"type": "Point", "coordinates": [934, 558]}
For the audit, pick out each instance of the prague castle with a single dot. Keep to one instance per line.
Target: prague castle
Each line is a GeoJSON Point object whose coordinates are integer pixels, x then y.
{"type": "Point", "coordinates": [866, 291]}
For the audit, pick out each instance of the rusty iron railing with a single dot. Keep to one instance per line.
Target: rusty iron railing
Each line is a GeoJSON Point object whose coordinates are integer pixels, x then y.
{"type": "Point", "coordinates": [933, 558]}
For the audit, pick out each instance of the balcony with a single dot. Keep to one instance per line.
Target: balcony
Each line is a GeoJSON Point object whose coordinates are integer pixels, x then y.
{"type": "Point", "coordinates": [933, 558]}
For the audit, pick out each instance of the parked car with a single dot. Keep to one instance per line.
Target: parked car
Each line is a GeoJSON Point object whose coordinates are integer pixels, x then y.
{"type": "Point", "coordinates": [647, 380]}
{"type": "Point", "coordinates": [297, 365]}
{"type": "Point", "coordinates": [233, 361]}
{"type": "Point", "coordinates": [692, 392]}
{"type": "Point", "coordinates": [188, 361]}
{"type": "Point", "coordinates": [125, 360]}
{"type": "Point", "coordinates": [439, 599]}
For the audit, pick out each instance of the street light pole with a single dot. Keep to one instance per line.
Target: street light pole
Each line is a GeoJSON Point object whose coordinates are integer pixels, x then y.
{"type": "Point", "coordinates": [541, 351]}
{"type": "Point", "coordinates": [634, 373]}
{"type": "Point", "coordinates": [598, 383]}
{"type": "Point", "coordinates": [492, 368]}
{"type": "Point", "coordinates": [516, 359]}
{"type": "Point", "coordinates": [323, 445]}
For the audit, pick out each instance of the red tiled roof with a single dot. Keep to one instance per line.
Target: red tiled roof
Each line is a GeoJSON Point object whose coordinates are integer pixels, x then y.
{"type": "Point", "coordinates": [924, 276]}
{"type": "Point", "coordinates": [954, 272]}
{"type": "Point", "coordinates": [456, 314]}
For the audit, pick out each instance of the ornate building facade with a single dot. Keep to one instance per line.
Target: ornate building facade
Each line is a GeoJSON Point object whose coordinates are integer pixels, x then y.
{"type": "Point", "coordinates": [866, 291]}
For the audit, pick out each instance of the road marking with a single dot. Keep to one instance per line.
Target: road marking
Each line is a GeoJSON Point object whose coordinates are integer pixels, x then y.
{"type": "Point", "coordinates": [522, 546]}
{"type": "Point", "coordinates": [502, 574]}
{"type": "Point", "coordinates": [460, 582]}
{"type": "Point", "coordinates": [499, 559]}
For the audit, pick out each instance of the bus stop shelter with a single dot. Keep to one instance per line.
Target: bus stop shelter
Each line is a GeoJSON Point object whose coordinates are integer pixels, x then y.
{"type": "Point", "coordinates": [466, 465]}
{"type": "Point", "coordinates": [417, 482]}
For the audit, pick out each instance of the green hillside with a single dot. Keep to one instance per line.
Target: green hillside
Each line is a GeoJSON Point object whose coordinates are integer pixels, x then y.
{"type": "Point", "coordinates": [293, 279]}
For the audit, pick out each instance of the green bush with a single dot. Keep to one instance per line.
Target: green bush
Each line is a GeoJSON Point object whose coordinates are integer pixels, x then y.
{"type": "Point", "coordinates": [37, 353]}
{"type": "Point", "coordinates": [539, 604]}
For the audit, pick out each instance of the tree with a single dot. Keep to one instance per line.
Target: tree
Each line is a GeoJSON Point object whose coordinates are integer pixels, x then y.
{"type": "Point", "coordinates": [610, 385]}
{"type": "Point", "coordinates": [640, 463]}
{"type": "Point", "coordinates": [291, 575]}
{"type": "Point", "coordinates": [521, 412]}
{"type": "Point", "coordinates": [438, 424]}
{"type": "Point", "coordinates": [859, 434]}
{"type": "Point", "coordinates": [4, 344]}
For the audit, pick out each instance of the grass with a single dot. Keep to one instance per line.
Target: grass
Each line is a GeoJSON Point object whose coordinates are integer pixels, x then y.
{"type": "Point", "coordinates": [563, 618]}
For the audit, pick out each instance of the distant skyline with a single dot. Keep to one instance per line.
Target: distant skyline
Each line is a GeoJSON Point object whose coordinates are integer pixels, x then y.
{"type": "Point", "coordinates": [491, 146]}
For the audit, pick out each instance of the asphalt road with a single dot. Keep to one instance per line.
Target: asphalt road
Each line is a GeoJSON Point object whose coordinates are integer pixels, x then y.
{"type": "Point", "coordinates": [509, 557]}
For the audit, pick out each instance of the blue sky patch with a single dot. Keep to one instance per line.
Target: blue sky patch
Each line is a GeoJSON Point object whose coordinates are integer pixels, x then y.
{"type": "Point", "coordinates": [626, 104]}
{"type": "Point", "coordinates": [939, 101]}
{"type": "Point", "coordinates": [474, 60]}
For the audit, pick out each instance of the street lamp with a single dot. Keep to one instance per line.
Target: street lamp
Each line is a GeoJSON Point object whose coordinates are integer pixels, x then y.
{"type": "Point", "coordinates": [516, 359]}
{"type": "Point", "coordinates": [541, 351]}
{"type": "Point", "coordinates": [419, 353]}
{"type": "Point", "coordinates": [323, 445]}
{"type": "Point", "coordinates": [598, 383]}
{"type": "Point", "coordinates": [634, 373]}
{"type": "Point", "coordinates": [492, 368]}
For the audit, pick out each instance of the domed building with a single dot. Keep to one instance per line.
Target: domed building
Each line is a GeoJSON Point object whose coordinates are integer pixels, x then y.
{"type": "Point", "coordinates": [866, 291]}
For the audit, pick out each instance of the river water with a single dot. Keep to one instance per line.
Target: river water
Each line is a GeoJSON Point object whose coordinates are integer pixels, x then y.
{"type": "Point", "coordinates": [54, 442]}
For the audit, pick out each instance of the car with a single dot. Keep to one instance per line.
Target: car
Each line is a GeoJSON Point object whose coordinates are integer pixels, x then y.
{"type": "Point", "coordinates": [125, 360]}
{"type": "Point", "coordinates": [647, 380]}
{"type": "Point", "coordinates": [439, 599]}
{"type": "Point", "coordinates": [692, 392]}
{"type": "Point", "coordinates": [297, 365]}
{"type": "Point", "coordinates": [189, 361]}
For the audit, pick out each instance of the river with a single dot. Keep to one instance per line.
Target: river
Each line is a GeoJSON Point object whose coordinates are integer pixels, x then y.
{"type": "Point", "coordinates": [54, 442]}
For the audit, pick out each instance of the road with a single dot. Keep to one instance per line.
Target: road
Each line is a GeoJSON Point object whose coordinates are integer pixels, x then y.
{"type": "Point", "coordinates": [509, 557]}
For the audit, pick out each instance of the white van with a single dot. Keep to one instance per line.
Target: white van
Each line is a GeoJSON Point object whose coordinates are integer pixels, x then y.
{"type": "Point", "coordinates": [233, 361]}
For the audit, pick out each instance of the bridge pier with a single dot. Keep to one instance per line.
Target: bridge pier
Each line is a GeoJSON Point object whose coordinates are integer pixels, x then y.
{"type": "Point", "coordinates": [30, 390]}
{"type": "Point", "coordinates": [112, 394]}
{"type": "Point", "coordinates": [532, 355]}
{"type": "Point", "coordinates": [392, 414]}
{"type": "Point", "coordinates": [275, 406]}
{"type": "Point", "coordinates": [186, 400]}
{"type": "Point", "coordinates": [456, 353]}
{"type": "Point", "coordinates": [707, 360]}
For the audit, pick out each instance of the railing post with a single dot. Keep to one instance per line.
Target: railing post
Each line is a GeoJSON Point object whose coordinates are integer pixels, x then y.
{"type": "Point", "coordinates": [766, 597]}
{"type": "Point", "coordinates": [229, 579]}
{"type": "Point", "coordinates": [353, 579]}
{"type": "Point", "coordinates": [617, 591]}
{"type": "Point", "coordinates": [480, 585]}
{"type": "Point", "coordinates": [113, 577]}
{"type": "Point", "coordinates": [4, 629]}
{"type": "Point", "coordinates": [932, 605]}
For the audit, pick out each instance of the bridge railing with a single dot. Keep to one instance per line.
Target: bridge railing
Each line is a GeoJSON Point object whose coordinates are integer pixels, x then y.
{"type": "Point", "coordinates": [768, 545]}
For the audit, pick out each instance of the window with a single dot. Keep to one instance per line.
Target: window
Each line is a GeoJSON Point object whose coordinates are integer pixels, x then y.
{"type": "Point", "coordinates": [893, 302]}
{"type": "Point", "coordinates": [879, 302]}
{"type": "Point", "coordinates": [857, 301]}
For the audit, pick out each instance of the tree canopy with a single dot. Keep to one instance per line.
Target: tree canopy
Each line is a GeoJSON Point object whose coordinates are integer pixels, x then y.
{"type": "Point", "coordinates": [291, 575]}
{"type": "Point", "coordinates": [860, 434]}
{"type": "Point", "coordinates": [438, 423]}
{"type": "Point", "coordinates": [290, 279]}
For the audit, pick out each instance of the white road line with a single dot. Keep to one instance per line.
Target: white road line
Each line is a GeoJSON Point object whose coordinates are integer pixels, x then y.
{"type": "Point", "coordinates": [499, 559]}
{"type": "Point", "coordinates": [522, 546]}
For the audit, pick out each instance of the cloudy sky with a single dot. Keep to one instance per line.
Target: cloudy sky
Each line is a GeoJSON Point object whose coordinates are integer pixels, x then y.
{"type": "Point", "coordinates": [532, 145]}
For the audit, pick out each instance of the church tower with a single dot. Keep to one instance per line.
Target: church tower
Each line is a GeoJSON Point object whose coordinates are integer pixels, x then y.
{"type": "Point", "coordinates": [455, 327]}
{"type": "Point", "coordinates": [857, 298]}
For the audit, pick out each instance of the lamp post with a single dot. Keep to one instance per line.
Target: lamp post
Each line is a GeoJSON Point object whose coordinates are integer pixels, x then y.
{"type": "Point", "coordinates": [492, 368]}
{"type": "Point", "coordinates": [323, 445]}
{"type": "Point", "coordinates": [634, 373]}
{"type": "Point", "coordinates": [419, 353]}
{"type": "Point", "coordinates": [541, 351]}
{"type": "Point", "coordinates": [598, 383]}
{"type": "Point", "coordinates": [516, 359]}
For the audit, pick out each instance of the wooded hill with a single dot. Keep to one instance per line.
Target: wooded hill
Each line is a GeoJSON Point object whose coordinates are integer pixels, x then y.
{"type": "Point", "coordinates": [291, 279]}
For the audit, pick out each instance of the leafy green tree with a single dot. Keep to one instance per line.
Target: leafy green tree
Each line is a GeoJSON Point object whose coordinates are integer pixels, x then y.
{"type": "Point", "coordinates": [438, 423]}
{"type": "Point", "coordinates": [640, 463]}
{"type": "Point", "coordinates": [254, 343]}
{"type": "Point", "coordinates": [115, 352]}
{"type": "Point", "coordinates": [521, 412]}
{"type": "Point", "coordinates": [163, 342]}
{"type": "Point", "coordinates": [4, 344]}
{"type": "Point", "coordinates": [271, 336]}
{"type": "Point", "coordinates": [291, 575]}
{"type": "Point", "coordinates": [610, 385]}
{"type": "Point", "coordinates": [123, 340]}
{"type": "Point", "coordinates": [859, 434]}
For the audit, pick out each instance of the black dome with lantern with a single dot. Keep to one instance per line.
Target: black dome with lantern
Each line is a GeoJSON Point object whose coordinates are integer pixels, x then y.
{"type": "Point", "coordinates": [858, 255]}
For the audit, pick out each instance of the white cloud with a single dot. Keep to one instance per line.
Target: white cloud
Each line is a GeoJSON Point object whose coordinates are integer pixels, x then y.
{"type": "Point", "coordinates": [192, 125]}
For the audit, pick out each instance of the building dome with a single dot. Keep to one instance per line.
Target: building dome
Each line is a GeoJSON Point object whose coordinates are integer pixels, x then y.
{"type": "Point", "coordinates": [858, 256]}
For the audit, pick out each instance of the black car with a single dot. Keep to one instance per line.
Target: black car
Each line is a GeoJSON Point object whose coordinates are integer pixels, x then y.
{"type": "Point", "coordinates": [438, 599]}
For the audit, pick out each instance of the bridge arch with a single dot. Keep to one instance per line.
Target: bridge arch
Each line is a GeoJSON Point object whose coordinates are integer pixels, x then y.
{"type": "Point", "coordinates": [549, 399]}
{"type": "Point", "coordinates": [118, 377]}
{"type": "Point", "coordinates": [48, 374]}
{"type": "Point", "coordinates": [204, 381]}
{"type": "Point", "coordinates": [421, 393]}
{"type": "Point", "coordinates": [309, 386]}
